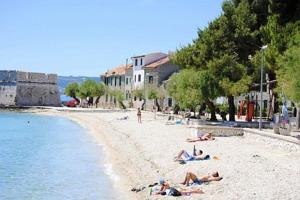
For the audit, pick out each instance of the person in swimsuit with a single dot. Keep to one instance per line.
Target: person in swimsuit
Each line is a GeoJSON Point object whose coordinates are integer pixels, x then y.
{"type": "Point", "coordinates": [205, 137]}
{"type": "Point", "coordinates": [194, 179]}
{"type": "Point", "coordinates": [165, 189]}
{"type": "Point", "coordinates": [185, 156]}
{"type": "Point", "coordinates": [139, 115]}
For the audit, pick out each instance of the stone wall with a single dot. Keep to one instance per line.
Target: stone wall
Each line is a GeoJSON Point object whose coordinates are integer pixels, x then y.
{"type": "Point", "coordinates": [36, 94]}
{"type": "Point", "coordinates": [8, 87]}
{"type": "Point", "coordinates": [28, 89]}
{"type": "Point", "coordinates": [8, 94]}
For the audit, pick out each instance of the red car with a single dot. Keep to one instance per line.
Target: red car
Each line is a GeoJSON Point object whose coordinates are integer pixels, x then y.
{"type": "Point", "coordinates": [72, 103]}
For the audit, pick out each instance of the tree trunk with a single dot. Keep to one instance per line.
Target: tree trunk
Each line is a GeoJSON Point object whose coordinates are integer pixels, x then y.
{"type": "Point", "coordinates": [76, 99]}
{"type": "Point", "coordinates": [157, 105]}
{"type": "Point", "coordinates": [97, 101]}
{"type": "Point", "coordinates": [122, 104]}
{"type": "Point", "coordinates": [193, 110]}
{"type": "Point", "coordinates": [231, 109]}
{"type": "Point", "coordinates": [212, 109]}
{"type": "Point", "coordinates": [143, 105]}
{"type": "Point", "coordinates": [298, 119]}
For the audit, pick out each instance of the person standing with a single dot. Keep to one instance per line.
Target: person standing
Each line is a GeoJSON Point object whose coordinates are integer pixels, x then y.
{"type": "Point", "coordinates": [139, 115]}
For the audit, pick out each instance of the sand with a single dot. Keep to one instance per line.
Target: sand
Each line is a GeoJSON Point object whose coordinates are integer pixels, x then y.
{"type": "Point", "coordinates": [136, 155]}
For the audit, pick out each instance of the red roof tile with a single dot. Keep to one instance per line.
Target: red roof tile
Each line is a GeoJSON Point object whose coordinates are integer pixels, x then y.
{"type": "Point", "coordinates": [158, 63]}
{"type": "Point", "coordinates": [120, 70]}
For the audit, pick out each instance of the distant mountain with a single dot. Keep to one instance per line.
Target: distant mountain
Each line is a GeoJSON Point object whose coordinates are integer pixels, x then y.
{"type": "Point", "coordinates": [63, 81]}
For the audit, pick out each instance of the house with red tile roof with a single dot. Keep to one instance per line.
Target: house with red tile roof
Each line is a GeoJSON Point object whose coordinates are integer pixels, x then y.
{"type": "Point", "coordinates": [146, 71]}
{"type": "Point", "coordinates": [150, 71]}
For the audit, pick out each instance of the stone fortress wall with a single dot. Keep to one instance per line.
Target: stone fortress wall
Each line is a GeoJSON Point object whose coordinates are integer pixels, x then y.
{"type": "Point", "coordinates": [8, 88]}
{"type": "Point", "coordinates": [28, 89]}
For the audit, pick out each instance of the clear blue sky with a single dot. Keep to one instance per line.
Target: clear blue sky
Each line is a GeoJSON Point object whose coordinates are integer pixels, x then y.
{"type": "Point", "coordinates": [86, 37]}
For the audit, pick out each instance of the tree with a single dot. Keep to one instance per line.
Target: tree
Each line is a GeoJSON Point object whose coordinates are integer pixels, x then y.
{"type": "Point", "coordinates": [88, 89]}
{"type": "Point", "coordinates": [119, 96]}
{"type": "Point", "coordinates": [72, 91]}
{"type": "Point", "coordinates": [138, 93]}
{"type": "Point", "coordinates": [99, 92]}
{"type": "Point", "coordinates": [155, 94]}
{"type": "Point", "coordinates": [190, 88]}
{"type": "Point", "coordinates": [289, 72]}
{"type": "Point", "coordinates": [222, 50]}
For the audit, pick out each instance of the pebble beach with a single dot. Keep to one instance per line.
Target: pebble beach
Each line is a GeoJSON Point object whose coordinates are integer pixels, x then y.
{"type": "Point", "coordinates": [137, 155]}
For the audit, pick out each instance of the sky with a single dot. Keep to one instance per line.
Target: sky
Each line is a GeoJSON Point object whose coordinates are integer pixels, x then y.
{"type": "Point", "coordinates": [87, 37]}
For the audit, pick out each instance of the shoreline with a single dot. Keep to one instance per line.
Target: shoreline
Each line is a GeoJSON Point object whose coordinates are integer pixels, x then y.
{"type": "Point", "coordinates": [110, 168]}
{"type": "Point", "coordinates": [140, 154]}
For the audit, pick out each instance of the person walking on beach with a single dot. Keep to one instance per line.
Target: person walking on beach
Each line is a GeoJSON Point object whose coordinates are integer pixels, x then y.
{"type": "Point", "coordinates": [139, 115]}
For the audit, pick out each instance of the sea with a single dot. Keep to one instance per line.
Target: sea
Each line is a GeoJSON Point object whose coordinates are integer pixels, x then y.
{"type": "Point", "coordinates": [49, 158]}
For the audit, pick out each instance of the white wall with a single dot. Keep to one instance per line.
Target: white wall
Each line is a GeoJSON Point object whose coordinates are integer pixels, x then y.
{"type": "Point", "coordinates": [137, 70]}
{"type": "Point", "coordinates": [136, 83]}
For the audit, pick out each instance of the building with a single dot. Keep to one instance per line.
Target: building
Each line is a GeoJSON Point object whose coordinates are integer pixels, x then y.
{"type": "Point", "coordinates": [145, 72]}
{"type": "Point", "coordinates": [150, 71]}
{"type": "Point", "coordinates": [118, 78]}
{"type": "Point", "coordinates": [28, 89]}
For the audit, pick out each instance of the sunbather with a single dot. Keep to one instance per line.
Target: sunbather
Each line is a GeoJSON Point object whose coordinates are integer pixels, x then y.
{"type": "Point", "coordinates": [185, 156]}
{"type": "Point", "coordinates": [205, 137]}
{"type": "Point", "coordinates": [171, 191]}
{"type": "Point", "coordinates": [208, 178]}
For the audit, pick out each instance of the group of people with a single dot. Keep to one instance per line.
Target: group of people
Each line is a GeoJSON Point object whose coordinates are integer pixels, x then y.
{"type": "Point", "coordinates": [190, 178]}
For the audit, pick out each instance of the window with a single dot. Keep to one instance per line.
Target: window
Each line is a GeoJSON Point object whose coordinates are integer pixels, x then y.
{"type": "Point", "coordinates": [139, 78]}
{"type": "Point", "coordinates": [120, 80]}
{"type": "Point", "coordinates": [136, 62]}
{"type": "Point", "coordinates": [126, 81]}
{"type": "Point", "coordinates": [141, 61]}
{"type": "Point", "coordinates": [106, 98]}
{"type": "Point", "coordinates": [265, 103]}
{"type": "Point", "coordinates": [134, 78]}
{"type": "Point", "coordinates": [150, 79]}
{"type": "Point", "coordinates": [115, 81]}
{"type": "Point", "coordinates": [169, 102]}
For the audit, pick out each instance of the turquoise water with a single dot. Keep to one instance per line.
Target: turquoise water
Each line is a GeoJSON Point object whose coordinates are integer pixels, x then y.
{"type": "Point", "coordinates": [49, 158]}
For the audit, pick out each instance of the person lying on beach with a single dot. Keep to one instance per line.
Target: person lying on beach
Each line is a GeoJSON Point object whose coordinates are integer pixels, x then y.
{"type": "Point", "coordinates": [166, 189]}
{"type": "Point", "coordinates": [185, 156]}
{"type": "Point", "coordinates": [123, 118]}
{"type": "Point", "coordinates": [194, 179]}
{"type": "Point", "coordinates": [204, 137]}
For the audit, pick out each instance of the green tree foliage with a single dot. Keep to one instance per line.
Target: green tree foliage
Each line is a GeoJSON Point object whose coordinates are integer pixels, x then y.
{"type": "Point", "coordinates": [289, 71]}
{"type": "Point", "coordinates": [156, 94]}
{"type": "Point", "coordinates": [138, 93]}
{"type": "Point", "coordinates": [224, 46]}
{"type": "Point", "coordinates": [72, 91]}
{"type": "Point", "coordinates": [190, 88]}
{"type": "Point", "coordinates": [119, 96]}
{"type": "Point", "coordinates": [88, 89]}
{"type": "Point", "coordinates": [99, 92]}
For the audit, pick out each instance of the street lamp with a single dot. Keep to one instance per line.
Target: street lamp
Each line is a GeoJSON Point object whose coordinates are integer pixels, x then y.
{"type": "Point", "coordinates": [261, 85]}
